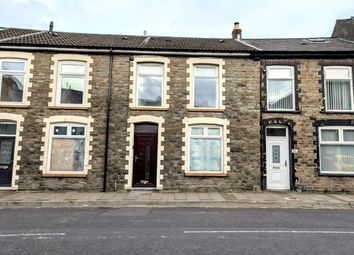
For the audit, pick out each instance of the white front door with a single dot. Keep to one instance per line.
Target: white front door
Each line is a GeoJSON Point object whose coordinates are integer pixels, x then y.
{"type": "Point", "coordinates": [277, 149]}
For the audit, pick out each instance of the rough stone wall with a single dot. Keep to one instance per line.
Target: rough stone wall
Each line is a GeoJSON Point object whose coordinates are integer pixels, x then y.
{"type": "Point", "coordinates": [30, 177]}
{"type": "Point", "coordinates": [242, 109]}
{"type": "Point", "coordinates": [311, 109]}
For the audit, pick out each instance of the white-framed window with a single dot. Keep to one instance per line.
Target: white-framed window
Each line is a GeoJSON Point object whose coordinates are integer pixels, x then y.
{"type": "Point", "coordinates": [280, 88]}
{"type": "Point", "coordinates": [338, 85]}
{"type": "Point", "coordinates": [67, 148]}
{"type": "Point", "coordinates": [12, 80]}
{"type": "Point", "coordinates": [206, 86]}
{"type": "Point", "coordinates": [206, 148]}
{"type": "Point", "coordinates": [7, 128]}
{"type": "Point", "coordinates": [150, 81]}
{"type": "Point", "coordinates": [336, 145]}
{"type": "Point", "coordinates": [71, 89]}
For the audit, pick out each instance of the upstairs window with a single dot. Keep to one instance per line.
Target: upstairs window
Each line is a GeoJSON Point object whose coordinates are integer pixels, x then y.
{"type": "Point", "coordinates": [71, 82]}
{"type": "Point", "coordinates": [150, 84]}
{"type": "Point", "coordinates": [336, 150]}
{"type": "Point", "coordinates": [338, 88]}
{"type": "Point", "coordinates": [12, 77]}
{"type": "Point", "coordinates": [206, 86]}
{"type": "Point", "coordinates": [280, 88]}
{"type": "Point", "coordinates": [67, 148]}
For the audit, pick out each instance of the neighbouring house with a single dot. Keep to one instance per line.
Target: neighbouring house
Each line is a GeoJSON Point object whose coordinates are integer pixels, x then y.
{"type": "Point", "coordinates": [120, 112]}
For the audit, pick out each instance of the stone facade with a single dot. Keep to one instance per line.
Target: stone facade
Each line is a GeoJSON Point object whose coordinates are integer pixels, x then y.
{"type": "Point", "coordinates": [243, 89]}
{"type": "Point", "coordinates": [241, 95]}
{"type": "Point", "coordinates": [309, 79]}
{"type": "Point", "coordinates": [30, 176]}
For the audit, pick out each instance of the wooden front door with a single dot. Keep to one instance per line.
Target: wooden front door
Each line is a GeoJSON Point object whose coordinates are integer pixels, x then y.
{"type": "Point", "coordinates": [6, 160]}
{"type": "Point", "coordinates": [145, 155]}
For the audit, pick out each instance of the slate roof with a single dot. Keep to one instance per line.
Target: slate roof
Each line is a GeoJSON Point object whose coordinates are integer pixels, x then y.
{"type": "Point", "coordinates": [43, 38]}
{"type": "Point", "coordinates": [8, 33]}
{"type": "Point", "coordinates": [344, 28]}
{"type": "Point", "coordinates": [325, 44]}
{"type": "Point", "coordinates": [83, 40]}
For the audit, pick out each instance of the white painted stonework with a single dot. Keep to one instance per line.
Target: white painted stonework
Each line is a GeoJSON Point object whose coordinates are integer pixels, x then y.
{"type": "Point", "coordinates": [160, 148]}
{"type": "Point", "coordinates": [133, 79]}
{"type": "Point", "coordinates": [28, 57]}
{"type": "Point", "coordinates": [224, 123]}
{"type": "Point", "coordinates": [88, 121]}
{"type": "Point", "coordinates": [190, 79]}
{"type": "Point", "coordinates": [54, 77]}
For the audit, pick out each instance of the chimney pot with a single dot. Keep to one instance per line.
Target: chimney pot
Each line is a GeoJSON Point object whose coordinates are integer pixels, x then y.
{"type": "Point", "coordinates": [237, 31]}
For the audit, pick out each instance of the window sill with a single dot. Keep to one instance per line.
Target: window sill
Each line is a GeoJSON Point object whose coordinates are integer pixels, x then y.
{"type": "Point", "coordinates": [63, 175]}
{"type": "Point", "coordinates": [205, 174]}
{"type": "Point", "coordinates": [283, 112]}
{"type": "Point", "coordinates": [148, 109]}
{"type": "Point", "coordinates": [335, 175]}
{"type": "Point", "coordinates": [336, 112]}
{"type": "Point", "coordinates": [205, 110]}
{"type": "Point", "coordinates": [85, 108]}
{"type": "Point", "coordinates": [20, 106]}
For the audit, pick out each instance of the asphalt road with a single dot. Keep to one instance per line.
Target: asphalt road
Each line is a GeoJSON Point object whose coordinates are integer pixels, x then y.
{"type": "Point", "coordinates": [176, 231]}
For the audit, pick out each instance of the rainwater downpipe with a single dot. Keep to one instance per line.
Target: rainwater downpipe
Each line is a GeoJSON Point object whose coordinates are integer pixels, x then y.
{"type": "Point", "coordinates": [109, 99]}
{"type": "Point", "coordinates": [262, 130]}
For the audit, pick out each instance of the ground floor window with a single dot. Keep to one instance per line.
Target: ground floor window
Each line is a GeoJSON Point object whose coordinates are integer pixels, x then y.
{"type": "Point", "coordinates": [336, 150]}
{"type": "Point", "coordinates": [67, 148]}
{"type": "Point", "coordinates": [205, 148]}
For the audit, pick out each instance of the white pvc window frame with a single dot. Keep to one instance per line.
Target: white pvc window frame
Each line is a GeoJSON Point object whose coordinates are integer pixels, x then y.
{"type": "Point", "coordinates": [340, 141]}
{"type": "Point", "coordinates": [350, 78]}
{"type": "Point", "coordinates": [9, 123]}
{"type": "Point", "coordinates": [14, 72]}
{"type": "Point", "coordinates": [69, 135]}
{"type": "Point", "coordinates": [62, 75]}
{"type": "Point", "coordinates": [291, 77]}
{"type": "Point", "coordinates": [217, 89]}
{"type": "Point", "coordinates": [206, 136]}
{"type": "Point", "coordinates": [138, 75]}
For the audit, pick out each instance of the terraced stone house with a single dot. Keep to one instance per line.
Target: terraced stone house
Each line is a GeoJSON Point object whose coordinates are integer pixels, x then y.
{"type": "Point", "coordinates": [114, 112]}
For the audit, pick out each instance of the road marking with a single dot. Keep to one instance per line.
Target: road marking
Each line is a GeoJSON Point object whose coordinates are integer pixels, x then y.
{"type": "Point", "coordinates": [32, 234]}
{"type": "Point", "coordinates": [268, 232]}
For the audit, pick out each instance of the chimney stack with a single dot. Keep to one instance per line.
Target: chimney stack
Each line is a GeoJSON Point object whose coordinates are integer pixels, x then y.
{"type": "Point", "coordinates": [236, 33]}
{"type": "Point", "coordinates": [51, 26]}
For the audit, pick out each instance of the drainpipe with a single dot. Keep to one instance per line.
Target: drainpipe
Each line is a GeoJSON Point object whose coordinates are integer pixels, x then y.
{"type": "Point", "coordinates": [109, 99]}
{"type": "Point", "coordinates": [262, 140]}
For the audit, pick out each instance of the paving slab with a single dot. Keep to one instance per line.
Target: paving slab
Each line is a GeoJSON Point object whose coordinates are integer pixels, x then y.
{"type": "Point", "coordinates": [347, 198]}
{"type": "Point", "coordinates": [176, 199]}
{"type": "Point", "coordinates": [192, 196]}
{"type": "Point", "coordinates": [180, 196]}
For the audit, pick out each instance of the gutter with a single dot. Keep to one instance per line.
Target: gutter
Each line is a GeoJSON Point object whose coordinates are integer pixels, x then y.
{"type": "Point", "coordinates": [110, 50]}
{"type": "Point", "coordinates": [108, 112]}
{"type": "Point", "coordinates": [294, 54]}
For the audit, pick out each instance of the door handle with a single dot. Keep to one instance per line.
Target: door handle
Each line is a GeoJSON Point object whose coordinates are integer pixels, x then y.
{"type": "Point", "coordinates": [286, 163]}
{"type": "Point", "coordinates": [136, 158]}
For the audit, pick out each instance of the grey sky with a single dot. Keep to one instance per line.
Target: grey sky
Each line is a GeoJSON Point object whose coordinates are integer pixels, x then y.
{"type": "Point", "coordinates": [197, 18]}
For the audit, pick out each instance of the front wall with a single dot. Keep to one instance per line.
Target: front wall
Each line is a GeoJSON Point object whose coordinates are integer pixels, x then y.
{"type": "Point", "coordinates": [242, 109]}
{"type": "Point", "coordinates": [242, 79]}
{"type": "Point", "coordinates": [310, 103]}
{"type": "Point", "coordinates": [30, 176]}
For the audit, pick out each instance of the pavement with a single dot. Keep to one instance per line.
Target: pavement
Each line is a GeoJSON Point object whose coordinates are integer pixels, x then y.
{"type": "Point", "coordinates": [16, 199]}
